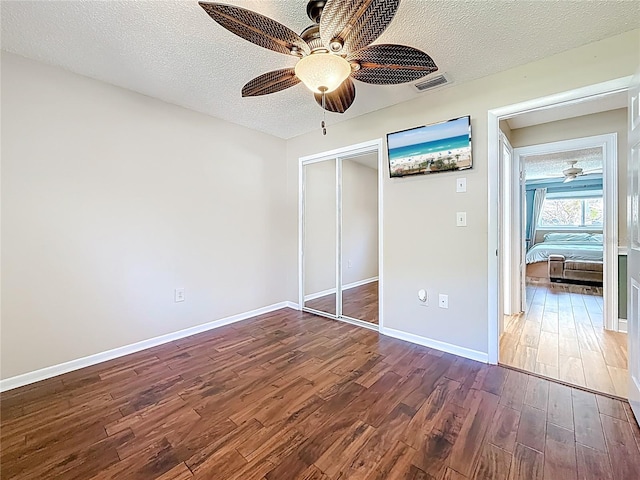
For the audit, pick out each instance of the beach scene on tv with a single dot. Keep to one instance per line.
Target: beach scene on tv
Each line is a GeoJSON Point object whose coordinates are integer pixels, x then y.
{"type": "Point", "coordinates": [440, 147]}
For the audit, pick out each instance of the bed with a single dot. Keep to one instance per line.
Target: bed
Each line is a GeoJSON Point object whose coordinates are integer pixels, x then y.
{"type": "Point", "coordinates": [577, 250]}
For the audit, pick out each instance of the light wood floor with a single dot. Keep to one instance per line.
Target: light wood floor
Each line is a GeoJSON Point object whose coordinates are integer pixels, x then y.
{"type": "Point", "coordinates": [360, 303]}
{"type": "Point", "coordinates": [289, 396]}
{"type": "Point", "coordinates": [562, 336]}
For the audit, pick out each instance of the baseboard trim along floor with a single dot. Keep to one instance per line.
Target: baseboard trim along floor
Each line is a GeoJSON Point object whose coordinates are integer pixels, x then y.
{"type": "Point", "coordinates": [55, 370]}
{"type": "Point", "coordinates": [437, 344]}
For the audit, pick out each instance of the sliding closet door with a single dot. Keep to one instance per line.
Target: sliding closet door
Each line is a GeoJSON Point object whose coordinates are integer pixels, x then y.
{"type": "Point", "coordinates": [359, 237]}
{"type": "Point", "coordinates": [319, 236]}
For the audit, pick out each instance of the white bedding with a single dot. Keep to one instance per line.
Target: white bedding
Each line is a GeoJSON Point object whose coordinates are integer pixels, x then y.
{"type": "Point", "coordinates": [589, 251]}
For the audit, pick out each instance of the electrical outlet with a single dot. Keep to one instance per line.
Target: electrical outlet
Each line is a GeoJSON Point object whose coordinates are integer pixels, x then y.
{"type": "Point", "coordinates": [461, 185]}
{"type": "Point", "coordinates": [443, 301]}
{"type": "Point", "coordinates": [179, 295]}
{"type": "Point", "coordinates": [461, 219]}
{"type": "Point", "coordinates": [423, 298]}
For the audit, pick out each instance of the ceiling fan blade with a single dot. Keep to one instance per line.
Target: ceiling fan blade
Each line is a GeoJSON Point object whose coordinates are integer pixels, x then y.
{"type": "Point", "coordinates": [356, 23]}
{"type": "Point", "coordinates": [391, 64]}
{"type": "Point", "coordinates": [271, 82]}
{"type": "Point", "coordinates": [340, 99]}
{"type": "Point", "coordinates": [256, 28]}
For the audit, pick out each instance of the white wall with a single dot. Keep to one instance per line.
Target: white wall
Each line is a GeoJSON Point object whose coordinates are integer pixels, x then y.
{"type": "Point", "coordinates": [422, 246]}
{"type": "Point", "coordinates": [110, 200]}
{"type": "Point", "coordinates": [613, 121]}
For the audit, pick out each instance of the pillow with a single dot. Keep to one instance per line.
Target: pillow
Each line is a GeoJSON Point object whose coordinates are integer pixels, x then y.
{"type": "Point", "coordinates": [568, 237]}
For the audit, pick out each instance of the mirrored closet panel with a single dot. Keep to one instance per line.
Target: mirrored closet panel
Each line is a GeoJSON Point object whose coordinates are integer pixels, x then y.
{"type": "Point", "coordinates": [320, 236]}
{"type": "Point", "coordinates": [339, 204]}
{"type": "Point", "coordinates": [359, 237]}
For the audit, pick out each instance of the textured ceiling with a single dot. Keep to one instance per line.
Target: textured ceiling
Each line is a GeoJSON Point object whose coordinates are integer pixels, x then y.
{"type": "Point", "coordinates": [551, 165]}
{"type": "Point", "coordinates": [173, 51]}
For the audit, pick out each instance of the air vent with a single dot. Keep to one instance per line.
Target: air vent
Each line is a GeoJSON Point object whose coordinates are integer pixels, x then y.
{"type": "Point", "coordinates": [431, 82]}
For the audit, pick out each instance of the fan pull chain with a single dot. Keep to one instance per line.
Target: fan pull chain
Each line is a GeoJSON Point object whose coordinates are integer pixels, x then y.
{"type": "Point", "coordinates": [324, 112]}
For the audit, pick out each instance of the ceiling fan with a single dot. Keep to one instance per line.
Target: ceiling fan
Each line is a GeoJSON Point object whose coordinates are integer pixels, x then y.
{"type": "Point", "coordinates": [572, 172]}
{"type": "Point", "coordinates": [332, 52]}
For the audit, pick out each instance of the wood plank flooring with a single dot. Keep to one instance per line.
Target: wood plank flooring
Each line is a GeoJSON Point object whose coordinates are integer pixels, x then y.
{"type": "Point", "coordinates": [288, 396]}
{"type": "Point", "coordinates": [326, 304]}
{"type": "Point", "coordinates": [360, 303]}
{"type": "Point", "coordinates": [562, 336]}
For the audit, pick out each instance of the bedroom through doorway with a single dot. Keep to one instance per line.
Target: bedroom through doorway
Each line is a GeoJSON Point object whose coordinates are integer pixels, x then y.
{"type": "Point", "coordinates": [563, 315]}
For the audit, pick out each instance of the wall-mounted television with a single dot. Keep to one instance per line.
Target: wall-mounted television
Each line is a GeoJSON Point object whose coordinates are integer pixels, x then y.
{"type": "Point", "coordinates": [439, 147]}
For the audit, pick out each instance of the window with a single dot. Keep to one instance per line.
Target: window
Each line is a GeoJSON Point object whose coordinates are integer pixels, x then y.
{"type": "Point", "coordinates": [572, 212]}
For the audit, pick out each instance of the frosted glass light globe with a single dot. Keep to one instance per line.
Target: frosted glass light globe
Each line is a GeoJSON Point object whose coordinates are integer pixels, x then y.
{"type": "Point", "coordinates": [322, 70]}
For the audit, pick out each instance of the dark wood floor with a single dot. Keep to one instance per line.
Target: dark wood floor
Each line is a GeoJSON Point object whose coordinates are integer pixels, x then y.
{"type": "Point", "coordinates": [292, 396]}
{"type": "Point", "coordinates": [326, 303]}
{"type": "Point", "coordinates": [360, 303]}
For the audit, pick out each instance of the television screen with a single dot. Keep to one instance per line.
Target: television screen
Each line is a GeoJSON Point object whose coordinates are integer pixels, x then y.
{"type": "Point", "coordinates": [440, 147]}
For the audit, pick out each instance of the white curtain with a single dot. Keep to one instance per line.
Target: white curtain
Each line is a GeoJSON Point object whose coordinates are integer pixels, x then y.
{"type": "Point", "coordinates": [538, 200]}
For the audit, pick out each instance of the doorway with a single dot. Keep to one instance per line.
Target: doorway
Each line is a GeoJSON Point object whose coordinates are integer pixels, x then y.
{"type": "Point", "coordinates": [340, 274]}
{"type": "Point", "coordinates": [545, 296]}
{"type": "Point", "coordinates": [561, 327]}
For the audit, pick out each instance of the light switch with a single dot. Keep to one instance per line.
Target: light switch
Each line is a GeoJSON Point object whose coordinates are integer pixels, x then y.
{"type": "Point", "coordinates": [179, 295]}
{"type": "Point", "coordinates": [461, 219]}
{"type": "Point", "coordinates": [461, 185]}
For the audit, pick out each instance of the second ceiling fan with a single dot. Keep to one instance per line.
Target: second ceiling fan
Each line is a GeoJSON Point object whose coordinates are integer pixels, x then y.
{"type": "Point", "coordinates": [572, 172]}
{"type": "Point", "coordinates": [332, 52]}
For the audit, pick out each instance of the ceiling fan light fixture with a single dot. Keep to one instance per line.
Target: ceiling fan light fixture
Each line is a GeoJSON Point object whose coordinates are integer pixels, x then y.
{"type": "Point", "coordinates": [569, 178]}
{"type": "Point", "coordinates": [332, 52]}
{"type": "Point", "coordinates": [322, 71]}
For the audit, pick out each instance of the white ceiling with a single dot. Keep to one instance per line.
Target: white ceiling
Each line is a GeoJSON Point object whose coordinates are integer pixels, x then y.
{"type": "Point", "coordinates": [173, 51]}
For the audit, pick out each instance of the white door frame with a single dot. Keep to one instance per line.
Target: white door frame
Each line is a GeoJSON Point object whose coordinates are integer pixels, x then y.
{"type": "Point", "coordinates": [609, 144]}
{"type": "Point", "coordinates": [579, 95]}
{"type": "Point", "coordinates": [511, 261]}
{"type": "Point", "coordinates": [371, 146]}
{"type": "Point", "coordinates": [521, 225]}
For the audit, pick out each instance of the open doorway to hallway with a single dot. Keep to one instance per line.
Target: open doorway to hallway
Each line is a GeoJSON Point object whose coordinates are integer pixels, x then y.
{"type": "Point", "coordinates": [564, 309]}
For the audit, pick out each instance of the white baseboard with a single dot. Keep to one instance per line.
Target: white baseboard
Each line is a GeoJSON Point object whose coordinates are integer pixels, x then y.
{"type": "Point", "coordinates": [359, 283]}
{"type": "Point", "coordinates": [324, 293]}
{"type": "Point", "coordinates": [622, 325]}
{"type": "Point", "coordinates": [55, 370]}
{"type": "Point", "coordinates": [437, 344]}
{"type": "Point", "coordinates": [292, 305]}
